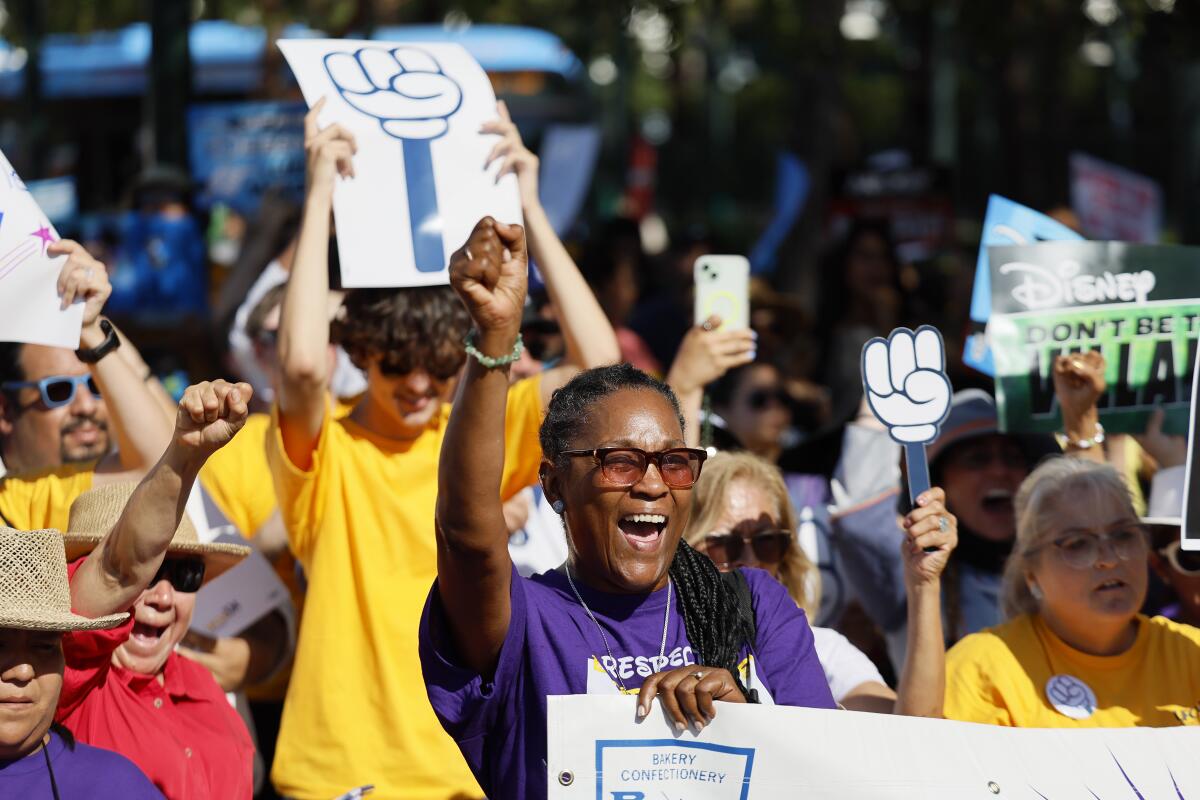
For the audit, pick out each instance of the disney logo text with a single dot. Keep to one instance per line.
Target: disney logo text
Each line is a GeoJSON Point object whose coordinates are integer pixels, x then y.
{"type": "Point", "coordinates": [1064, 285]}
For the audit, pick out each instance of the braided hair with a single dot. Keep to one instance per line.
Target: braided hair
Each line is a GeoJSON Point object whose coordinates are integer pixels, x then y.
{"type": "Point", "coordinates": [715, 626]}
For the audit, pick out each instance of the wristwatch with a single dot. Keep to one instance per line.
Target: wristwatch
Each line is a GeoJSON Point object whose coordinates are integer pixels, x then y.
{"type": "Point", "coordinates": [111, 342]}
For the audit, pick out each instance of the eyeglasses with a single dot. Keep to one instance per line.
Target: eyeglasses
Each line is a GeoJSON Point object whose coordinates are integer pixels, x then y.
{"type": "Point", "coordinates": [184, 574]}
{"type": "Point", "coordinates": [441, 365]}
{"type": "Point", "coordinates": [1185, 562]}
{"type": "Point", "coordinates": [760, 399]}
{"type": "Point", "coordinates": [56, 390]}
{"type": "Point", "coordinates": [1082, 550]}
{"type": "Point", "coordinates": [625, 466]}
{"type": "Point", "coordinates": [726, 548]}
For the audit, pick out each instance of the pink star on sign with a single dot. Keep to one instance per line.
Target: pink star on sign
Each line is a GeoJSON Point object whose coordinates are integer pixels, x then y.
{"type": "Point", "coordinates": [45, 235]}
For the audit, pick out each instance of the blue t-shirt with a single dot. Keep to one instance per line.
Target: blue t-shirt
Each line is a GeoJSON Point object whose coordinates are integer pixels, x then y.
{"type": "Point", "coordinates": [79, 772]}
{"type": "Point", "coordinates": [553, 648]}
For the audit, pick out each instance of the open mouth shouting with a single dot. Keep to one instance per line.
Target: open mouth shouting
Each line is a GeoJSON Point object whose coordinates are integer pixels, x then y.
{"type": "Point", "coordinates": [997, 501]}
{"type": "Point", "coordinates": [145, 638]}
{"type": "Point", "coordinates": [1111, 586]}
{"type": "Point", "coordinates": [643, 532]}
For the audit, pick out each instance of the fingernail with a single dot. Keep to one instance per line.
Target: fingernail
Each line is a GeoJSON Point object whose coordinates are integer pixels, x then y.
{"type": "Point", "coordinates": [754, 334]}
{"type": "Point", "coordinates": [641, 712]}
{"type": "Point", "coordinates": [753, 353]}
{"type": "Point", "coordinates": [680, 727]}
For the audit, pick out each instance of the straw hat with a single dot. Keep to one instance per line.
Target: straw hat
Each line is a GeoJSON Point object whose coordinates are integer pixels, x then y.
{"type": "Point", "coordinates": [95, 512]}
{"type": "Point", "coordinates": [34, 593]}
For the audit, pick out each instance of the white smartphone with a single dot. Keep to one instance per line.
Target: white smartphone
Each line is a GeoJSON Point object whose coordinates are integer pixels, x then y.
{"type": "Point", "coordinates": [723, 288]}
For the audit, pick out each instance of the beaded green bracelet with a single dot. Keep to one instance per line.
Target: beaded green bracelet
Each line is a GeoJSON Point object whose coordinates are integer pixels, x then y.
{"type": "Point", "coordinates": [488, 361]}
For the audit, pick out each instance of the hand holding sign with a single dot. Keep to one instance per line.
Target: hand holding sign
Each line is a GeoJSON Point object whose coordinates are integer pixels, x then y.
{"type": "Point", "coordinates": [906, 386]}
{"type": "Point", "coordinates": [329, 152]}
{"type": "Point", "coordinates": [517, 158]}
{"type": "Point", "coordinates": [82, 278]}
{"type": "Point", "coordinates": [407, 91]}
{"type": "Point", "coordinates": [930, 535]}
{"type": "Point", "coordinates": [415, 110]}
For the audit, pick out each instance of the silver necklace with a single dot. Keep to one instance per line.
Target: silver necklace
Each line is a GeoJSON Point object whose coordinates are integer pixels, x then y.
{"type": "Point", "coordinates": [662, 648]}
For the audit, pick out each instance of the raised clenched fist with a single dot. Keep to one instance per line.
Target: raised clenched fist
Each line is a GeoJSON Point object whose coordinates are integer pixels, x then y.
{"type": "Point", "coordinates": [210, 414]}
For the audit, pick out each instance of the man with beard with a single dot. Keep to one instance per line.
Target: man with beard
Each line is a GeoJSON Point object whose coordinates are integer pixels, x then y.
{"type": "Point", "coordinates": [62, 412]}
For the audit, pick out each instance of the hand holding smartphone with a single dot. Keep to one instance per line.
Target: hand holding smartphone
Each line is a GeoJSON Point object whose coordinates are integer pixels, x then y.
{"type": "Point", "coordinates": [723, 289]}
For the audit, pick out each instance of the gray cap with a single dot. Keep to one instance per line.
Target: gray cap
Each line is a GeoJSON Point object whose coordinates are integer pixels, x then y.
{"type": "Point", "coordinates": [972, 415]}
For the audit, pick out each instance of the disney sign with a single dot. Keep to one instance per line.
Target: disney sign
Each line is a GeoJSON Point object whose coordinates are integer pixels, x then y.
{"type": "Point", "coordinates": [1067, 284]}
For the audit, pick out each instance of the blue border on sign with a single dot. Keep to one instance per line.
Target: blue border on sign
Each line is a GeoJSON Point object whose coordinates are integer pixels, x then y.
{"type": "Point", "coordinates": [601, 744]}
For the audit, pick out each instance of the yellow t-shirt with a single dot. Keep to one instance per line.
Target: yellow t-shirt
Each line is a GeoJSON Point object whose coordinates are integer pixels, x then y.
{"type": "Point", "coordinates": [361, 523]}
{"type": "Point", "coordinates": [43, 499]}
{"type": "Point", "coordinates": [238, 479]}
{"type": "Point", "coordinates": [1021, 674]}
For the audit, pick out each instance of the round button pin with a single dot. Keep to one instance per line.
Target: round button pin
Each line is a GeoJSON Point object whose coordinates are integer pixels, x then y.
{"type": "Point", "coordinates": [1070, 696]}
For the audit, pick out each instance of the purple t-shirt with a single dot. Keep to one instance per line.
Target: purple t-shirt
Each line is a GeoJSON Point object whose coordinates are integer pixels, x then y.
{"type": "Point", "coordinates": [553, 648]}
{"type": "Point", "coordinates": [82, 771]}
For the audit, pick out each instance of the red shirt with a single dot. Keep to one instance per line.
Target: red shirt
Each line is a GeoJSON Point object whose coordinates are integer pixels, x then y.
{"type": "Point", "coordinates": [182, 733]}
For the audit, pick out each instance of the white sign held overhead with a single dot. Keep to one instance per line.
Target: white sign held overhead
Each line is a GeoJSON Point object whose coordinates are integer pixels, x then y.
{"type": "Point", "coordinates": [420, 184]}
{"type": "Point", "coordinates": [30, 307]}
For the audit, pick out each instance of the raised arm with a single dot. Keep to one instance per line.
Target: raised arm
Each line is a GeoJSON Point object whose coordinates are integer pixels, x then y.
{"type": "Point", "coordinates": [1079, 382]}
{"type": "Point", "coordinates": [141, 430]}
{"type": "Point", "coordinates": [704, 356]}
{"type": "Point", "coordinates": [922, 688]}
{"type": "Point", "coordinates": [474, 569]}
{"type": "Point", "coordinates": [590, 338]}
{"type": "Point", "coordinates": [133, 357]}
{"type": "Point", "coordinates": [303, 331]}
{"type": "Point", "coordinates": [122, 565]}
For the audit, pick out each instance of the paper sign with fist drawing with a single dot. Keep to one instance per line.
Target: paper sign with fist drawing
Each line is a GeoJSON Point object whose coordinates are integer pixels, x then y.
{"type": "Point", "coordinates": [904, 378]}
{"type": "Point", "coordinates": [419, 186]}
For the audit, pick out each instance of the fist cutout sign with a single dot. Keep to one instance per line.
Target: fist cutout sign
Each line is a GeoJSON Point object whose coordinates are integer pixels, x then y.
{"type": "Point", "coordinates": [905, 382]}
{"type": "Point", "coordinates": [405, 89]}
{"type": "Point", "coordinates": [904, 378]}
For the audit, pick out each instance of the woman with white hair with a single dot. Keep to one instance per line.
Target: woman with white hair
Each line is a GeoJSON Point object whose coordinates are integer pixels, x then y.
{"type": "Point", "coordinates": [1075, 651]}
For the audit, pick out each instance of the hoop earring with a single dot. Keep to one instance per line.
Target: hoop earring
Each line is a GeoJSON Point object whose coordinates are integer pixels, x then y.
{"type": "Point", "coordinates": [558, 506]}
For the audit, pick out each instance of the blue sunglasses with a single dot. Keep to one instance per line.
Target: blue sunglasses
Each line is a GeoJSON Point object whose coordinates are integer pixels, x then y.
{"type": "Point", "coordinates": [56, 390]}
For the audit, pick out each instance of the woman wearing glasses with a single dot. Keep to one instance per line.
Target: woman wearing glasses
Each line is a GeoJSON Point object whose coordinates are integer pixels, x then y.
{"type": "Point", "coordinates": [1075, 652]}
{"type": "Point", "coordinates": [742, 517]}
{"type": "Point", "coordinates": [633, 610]}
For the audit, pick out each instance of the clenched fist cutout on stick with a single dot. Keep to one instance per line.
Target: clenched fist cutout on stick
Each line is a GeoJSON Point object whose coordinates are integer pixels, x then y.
{"type": "Point", "coordinates": [905, 382]}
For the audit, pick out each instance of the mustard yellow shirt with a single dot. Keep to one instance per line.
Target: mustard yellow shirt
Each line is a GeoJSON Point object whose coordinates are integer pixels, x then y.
{"type": "Point", "coordinates": [43, 499]}
{"type": "Point", "coordinates": [1021, 674]}
{"type": "Point", "coordinates": [361, 523]}
{"type": "Point", "coordinates": [238, 479]}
